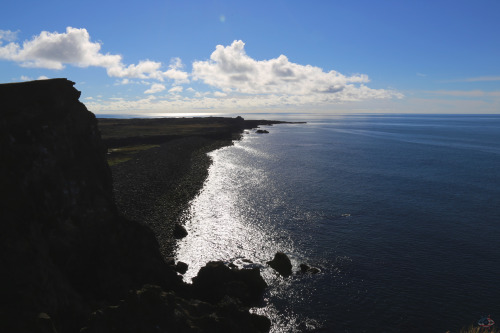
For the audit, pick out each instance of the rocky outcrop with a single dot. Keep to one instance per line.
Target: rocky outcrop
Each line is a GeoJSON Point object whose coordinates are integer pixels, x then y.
{"type": "Point", "coordinates": [306, 269]}
{"type": "Point", "coordinates": [281, 263]}
{"type": "Point", "coordinates": [65, 251]}
{"type": "Point", "coordinates": [216, 281]}
{"type": "Point", "coordinates": [151, 309]}
{"type": "Point", "coordinates": [179, 231]}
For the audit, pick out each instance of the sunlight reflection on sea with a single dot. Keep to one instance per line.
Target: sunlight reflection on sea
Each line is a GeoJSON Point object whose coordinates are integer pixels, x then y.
{"type": "Point", "coordinates": [400, 213]}
{"type": "Point", "coordinates": [226, 223]}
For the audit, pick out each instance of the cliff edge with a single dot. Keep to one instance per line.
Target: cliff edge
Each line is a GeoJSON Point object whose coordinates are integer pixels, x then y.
{"type": "Point", "coordinates": [65, 251]}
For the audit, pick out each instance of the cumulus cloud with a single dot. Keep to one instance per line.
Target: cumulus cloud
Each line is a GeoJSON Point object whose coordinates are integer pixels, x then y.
{"type": "Point", "coordinates": [232, 70]}
{"type": "Point", "coordinates": [156, 87]}
{"type": "Point", "coordinates": [235, 75]}
{"type": "Point", "coordinates": [145, 69]}
{"type": "Point", "coordinates": [55, 50]}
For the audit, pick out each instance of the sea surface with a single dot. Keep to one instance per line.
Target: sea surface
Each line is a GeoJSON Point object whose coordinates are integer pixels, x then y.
{"type": "Point", "coordinates": [401, 213]}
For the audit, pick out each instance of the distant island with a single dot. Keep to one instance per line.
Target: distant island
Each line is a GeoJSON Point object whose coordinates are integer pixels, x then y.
{"type": "Point", "coordinates": [90, 216]}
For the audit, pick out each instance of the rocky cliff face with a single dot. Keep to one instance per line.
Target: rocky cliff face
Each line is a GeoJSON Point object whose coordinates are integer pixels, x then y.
{"type": "Point", "coordinates": [63, 245]}
{"type": "Point", "coordinates": [64, 249]}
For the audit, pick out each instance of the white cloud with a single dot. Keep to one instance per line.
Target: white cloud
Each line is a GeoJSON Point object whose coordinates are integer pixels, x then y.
{"type": "Point", "coordinates": [178, 76]}
{"type": "Point", "coordinates": [175, 73]}
{"type": "Point", "coordinates": [123, 82]}
{"type": "Point", "coordinates": [232, 70]}
{"type": "Point", "coordinates": [207, 101]}
{"type": "Point", "coordinates": [176, 89]}
{"type": "Point", "coordinates": [219, 94]}
{"type": "Point", "coordinates": [241, 80]}
{"type": "Point", "coordinates": [55, 50]}
{"type": "Point", "coordinates": [156, 87]}
{"type": "Point", "coordinates": [281, 103]}
{"type": "Point", "coordinates": [199, 94]}
{"type": "Point", "coordinates": [27, 78]}
{"type": "Point", "coordinates": [145, 69]}
{"type": "Point", "coordinates": [8, 35]}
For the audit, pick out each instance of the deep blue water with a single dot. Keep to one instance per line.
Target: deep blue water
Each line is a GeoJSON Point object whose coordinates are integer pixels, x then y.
{"type": "Point", "coordinates": [400, 212]}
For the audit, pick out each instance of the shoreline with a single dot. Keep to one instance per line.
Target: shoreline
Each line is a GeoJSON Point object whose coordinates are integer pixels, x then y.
{"type": "Point", "coordinates": [73, 262]}
{"type": "Point", "coordinates": [179, 174]}
{"type": "Point", "coordinates": [156, 185]}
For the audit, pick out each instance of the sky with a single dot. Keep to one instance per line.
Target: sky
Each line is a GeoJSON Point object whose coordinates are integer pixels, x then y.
{"type": "Point", "coordinates": [332, 56]}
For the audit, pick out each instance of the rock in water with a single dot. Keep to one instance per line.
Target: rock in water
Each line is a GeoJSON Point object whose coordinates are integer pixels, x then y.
{"type": "Point", "coordinates": [260, 131]}
{"type": "Point", "coordinates": [181, 267]}
{"type": "Point", "coordinates": [216, 280]}
{"type": "Point", "coordinates": [179, 231]}
{"type": "Point", "coordinates": [304, 268]}
{"type": "Point", "coordinates": [281, 263]}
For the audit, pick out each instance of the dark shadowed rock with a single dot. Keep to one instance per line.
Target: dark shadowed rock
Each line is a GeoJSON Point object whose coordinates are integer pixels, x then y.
{"type": "Point", "coordinates": [64, 247]}
{"type": "Point", "coordinates": [179, 231]}
{"type": "Point", "coordinates": [304, 268]}
{"type": "Point", "coordinates": [281, 263]}
{"type": "Point", "coordinates": [151, 309]}
{"type": "Point", "coordinates": [260, 131]}
{"type": "Point", "coordinates": [44, 324]}
{"type": "Point", "coordinates": [181, 267]}
{"type": "Point", "coordinates": [314, 270]}
{"type": "Point", "coordinates": [216, 280]}
{"type": "Point", "coordinates": [170, 261]}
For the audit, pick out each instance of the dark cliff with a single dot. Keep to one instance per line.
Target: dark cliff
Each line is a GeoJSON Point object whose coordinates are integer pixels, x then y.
{"type": "Point", "coordinates": [65, 251]}
{"type": "Point", "coordinates": [63, 245]}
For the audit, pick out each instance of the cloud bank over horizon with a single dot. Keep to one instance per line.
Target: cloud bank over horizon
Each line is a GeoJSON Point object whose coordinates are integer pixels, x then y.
{"type": "Point", "coordinates": [232, 70]}
{"type": "Point", "coordinates": [234, 78]}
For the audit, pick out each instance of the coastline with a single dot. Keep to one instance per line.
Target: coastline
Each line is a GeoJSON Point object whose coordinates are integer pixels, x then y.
{"type": "Point", "coordinates": [156, 185]}
{"type": "Point", "coordinates": [73, 262]}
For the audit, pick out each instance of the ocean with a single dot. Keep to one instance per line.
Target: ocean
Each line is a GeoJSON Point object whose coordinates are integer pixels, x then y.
{"type": "Point", "coordinates": [401, 213]}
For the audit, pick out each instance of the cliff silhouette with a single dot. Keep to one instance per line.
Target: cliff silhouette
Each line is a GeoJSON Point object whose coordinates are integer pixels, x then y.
{"type": "Point", "coordinates": [70, 260]}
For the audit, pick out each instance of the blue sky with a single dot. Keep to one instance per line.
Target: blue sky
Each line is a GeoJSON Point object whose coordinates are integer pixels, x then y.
{"type": "Point", "coordinates": [260, 56]}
